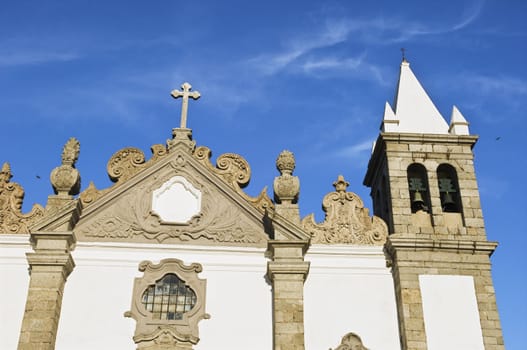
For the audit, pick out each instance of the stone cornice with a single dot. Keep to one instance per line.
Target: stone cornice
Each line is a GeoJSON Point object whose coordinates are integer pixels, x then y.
{"type": "Point", "coordinates": [428, 138]}
{"type": "Point", "coordinates": [395, 244]}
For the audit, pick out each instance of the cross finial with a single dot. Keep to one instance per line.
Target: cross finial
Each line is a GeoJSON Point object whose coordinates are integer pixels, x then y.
{"type": "Point", "coordinates": [403, 51]}
{"type": "Point", "coordinates": [186, 93]}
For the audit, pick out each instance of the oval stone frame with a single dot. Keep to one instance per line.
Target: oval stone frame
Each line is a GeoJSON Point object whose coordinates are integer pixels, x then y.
{"type": "Point", "coordinates": [176, 201]}
{"type": "Point", "coordinates": [178, 333]}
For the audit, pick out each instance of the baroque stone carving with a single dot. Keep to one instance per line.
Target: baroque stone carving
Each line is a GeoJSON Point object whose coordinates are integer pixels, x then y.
{"type": "Point", "coordinates": [124, 164]}
{"type": "Point", "coordinates": [131, 218]}
{"type": "Point", "coordinates": [351, 341]}
{"type": "Point", "coordinates": [286, 186]}
{"type": "Point", "coordinates": [177, 332]}
{"type": "Point", "coordinates": [11, 198]}
{"type": "Point", "coordinates": [129, 161]}
{"type": "Point", "coordinates": [235, 171]}
{"type": "Point", "coordinates": [347, 221]}
{"type": "Point", "coordinates": [65, 178]}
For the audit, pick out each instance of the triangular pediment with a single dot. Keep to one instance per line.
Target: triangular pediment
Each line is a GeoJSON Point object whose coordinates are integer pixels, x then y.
{"type": "Point", "coordinates": [175, 197]}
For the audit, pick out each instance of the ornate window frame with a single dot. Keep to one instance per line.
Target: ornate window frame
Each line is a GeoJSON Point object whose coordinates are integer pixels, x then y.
{"type": "Point", "coordinates": [181, 333]}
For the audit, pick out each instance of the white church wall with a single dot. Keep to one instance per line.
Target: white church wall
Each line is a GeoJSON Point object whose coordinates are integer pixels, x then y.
{"type": "Point", "coordinates": [450, 312]}
{"type": "Point", "coordinates": [13, 292]}
{"type": "Point", "coordinates": [99, 291]}
{"type": "Point", "coordinates": [349, 289]}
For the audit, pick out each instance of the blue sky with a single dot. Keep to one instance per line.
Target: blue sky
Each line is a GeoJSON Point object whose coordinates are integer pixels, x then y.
{"type": "Point", "coordinates": [308, 76]}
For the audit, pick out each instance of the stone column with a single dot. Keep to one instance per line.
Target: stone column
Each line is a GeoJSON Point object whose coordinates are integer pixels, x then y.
{"type": "Point", "coordinates": [287, 272]}
{"type": "Point", "coordinates": [50, 264]}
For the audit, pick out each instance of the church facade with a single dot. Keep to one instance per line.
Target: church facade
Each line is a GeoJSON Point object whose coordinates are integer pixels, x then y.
{"type": "Point", "coordinates": [175, 255]}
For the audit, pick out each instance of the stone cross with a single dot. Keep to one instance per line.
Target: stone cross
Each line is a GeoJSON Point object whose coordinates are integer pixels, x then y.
{"type": "Point", "coordinates": [186, 87]}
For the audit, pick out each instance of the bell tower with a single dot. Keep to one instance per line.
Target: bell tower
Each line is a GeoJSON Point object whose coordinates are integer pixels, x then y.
{"type": "Point", "coordinates": [423, 184]}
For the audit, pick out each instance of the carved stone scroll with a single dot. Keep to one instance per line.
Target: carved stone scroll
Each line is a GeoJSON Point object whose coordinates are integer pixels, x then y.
{"type": "Point", "coordinates": [11, 198]}
{"type": "Point", "coordinates": [122, 166]}
{"type": "Point", "coordinates": [347, 221]}
{"type": "Point", "coordinates": [235, 171]}
{"type": "Point", "coordinates": [129, 161]}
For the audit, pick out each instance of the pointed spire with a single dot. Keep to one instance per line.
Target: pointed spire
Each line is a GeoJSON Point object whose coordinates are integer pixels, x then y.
{"type": "Point", "coordinates": [390, 122]}
{"type": "Point", "coordinates": [458, 123]}
{"type": "Point", "coordinates": [414, 110]}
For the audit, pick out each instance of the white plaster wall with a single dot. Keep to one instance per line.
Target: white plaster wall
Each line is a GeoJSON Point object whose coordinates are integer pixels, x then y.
{"type": "Point", "coordinates": [99, 291]}
{"type": "Point", "coordinates": [349, 289]}
{"type": "Point", "coordinates": [13, 290]}
{"type": "Point", "coordinates": [450, 311]}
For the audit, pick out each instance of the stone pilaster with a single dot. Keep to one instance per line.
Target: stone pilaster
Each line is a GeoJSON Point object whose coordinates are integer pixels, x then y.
{"type": "Point", "coordinates": [413, 257]}
{"type": "Point", "coordinates": [50, 264]}
{"type": "Point", "coordinates": [287, 272]}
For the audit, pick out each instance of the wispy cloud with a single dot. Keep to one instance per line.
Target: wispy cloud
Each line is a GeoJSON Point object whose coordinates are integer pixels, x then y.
{"type": "Point", "coordinates": [497, 85]}
{"type": "Point", "coordinates": [331, 35]}
{"type": "Point", "coordinates": [314, 52]}
{"type": "Point", "coordinates": [355, 150]}
{"type": "Point", "coordinates": [34, 57]}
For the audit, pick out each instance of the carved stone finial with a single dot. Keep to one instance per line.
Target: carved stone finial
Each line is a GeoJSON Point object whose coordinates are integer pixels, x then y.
{"type": "Point", "coordinates": [286, 186]}
{"type": "Point", "coordinates": [65, 178]}
{"type": "Point", "coordinates": [341, 185]}
{"type": "Point", "coordinates": [5, 173]}
{"type": "Point", "coordinates": [351, 341]}
{"type": "Point", "coordinates": [285, 163]}
{"type": "Point", "coordinates": [347, 221]}
{"type": "Point", "coordinates": [11, 199]}
{"type": "Point", "coordinates": [70, 152]}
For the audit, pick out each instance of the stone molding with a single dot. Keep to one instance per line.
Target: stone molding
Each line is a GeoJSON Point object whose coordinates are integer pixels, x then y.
{"type": "Point", "coordinates": [395, 244]}
{"type": "Point", "coordinates": [347, 221]}
{"type": "Point", "coordinates": [175, 334]}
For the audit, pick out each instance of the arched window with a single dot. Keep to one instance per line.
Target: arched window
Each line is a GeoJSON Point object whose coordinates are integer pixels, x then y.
{"type": "Point", "coordinates": [418, 188]}
{"type": "Point", "coordinates": [448, 189]}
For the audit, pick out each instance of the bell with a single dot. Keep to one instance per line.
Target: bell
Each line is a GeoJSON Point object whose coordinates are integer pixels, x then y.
{"type": "Point", "coordinates": [449, 205]}
{"type": "Point", "coordinates": [418, 202]}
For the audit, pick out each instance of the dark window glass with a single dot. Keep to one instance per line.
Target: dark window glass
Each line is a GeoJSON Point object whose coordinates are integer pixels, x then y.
{"type": "Point", "coordinates": [169, 298]}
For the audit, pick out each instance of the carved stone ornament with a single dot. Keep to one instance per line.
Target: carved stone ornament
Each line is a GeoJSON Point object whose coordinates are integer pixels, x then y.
{"type": "Point", "coordinates": [347, 221]}
{"type": "Point", "coordinates": [11, 198]}
{"type": "Point", "coordinates": [65, 178]}
{"type": "Point", "coordinates": [130, 217]}
{"type": "Point", "coordinates": [170, 327]}
{"type": "Point", "coordinates": [351, 341]}
{"type": "Point", "coordinates": [122, 166]}
{"type": "Point", "coordinates": [235, 171]}
{"type": "Point", "coordinates": [286, 186]}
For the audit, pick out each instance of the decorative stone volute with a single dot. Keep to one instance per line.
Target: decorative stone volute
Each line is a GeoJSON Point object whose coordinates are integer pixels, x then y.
{"type": "Point", "coordinates": [347, 221]}
{"type": "Point", "coordinates": [286, 186]}
{"type": "Point", "coordinates": [65, 178]}
{"type": "Point", "coordinates": [11, 199]}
